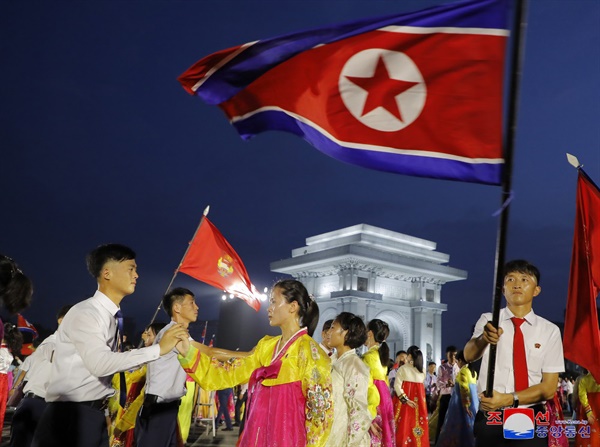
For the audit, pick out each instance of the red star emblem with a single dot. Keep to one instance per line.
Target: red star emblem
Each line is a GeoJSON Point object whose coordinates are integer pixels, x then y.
{"type": "Point", "coordinates": [382, 90]}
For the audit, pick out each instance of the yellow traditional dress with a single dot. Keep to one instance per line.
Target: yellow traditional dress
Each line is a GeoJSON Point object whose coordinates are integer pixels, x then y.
{"type": "Point", "coordinates": [589, 398]}
{"type": "Point", "coordinates": [125, 417]}
{"type": "Point", "coordinates": [289, 392]}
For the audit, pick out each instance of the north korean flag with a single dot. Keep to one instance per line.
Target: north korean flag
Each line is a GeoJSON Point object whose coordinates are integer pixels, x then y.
{"type": "Point", "coordinates": [417, 94]}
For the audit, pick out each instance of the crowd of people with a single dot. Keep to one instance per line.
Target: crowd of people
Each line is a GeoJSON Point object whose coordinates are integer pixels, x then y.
{"type": "Point", "coordinates": [85, 386]}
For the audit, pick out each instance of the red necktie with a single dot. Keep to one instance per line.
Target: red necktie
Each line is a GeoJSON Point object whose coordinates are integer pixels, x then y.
{"type": "Point", "coordinates": [519, 358]}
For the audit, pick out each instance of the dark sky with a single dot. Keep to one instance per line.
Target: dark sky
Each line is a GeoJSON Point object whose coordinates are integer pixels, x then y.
{"type": "Point", "coordinates": [99, 143]}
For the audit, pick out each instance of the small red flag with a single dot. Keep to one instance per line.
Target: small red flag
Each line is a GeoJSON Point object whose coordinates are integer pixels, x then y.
{"type": "Point", "coordinates": [212, 260]}
{"type": "Point", "coordinates": [581, 334]}
{"type": "Point", "coordinates": [29, 332]}
{"type": "Point", "coordinates": [212, 339]}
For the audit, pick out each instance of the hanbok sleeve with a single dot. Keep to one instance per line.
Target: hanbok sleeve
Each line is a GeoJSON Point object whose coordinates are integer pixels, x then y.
{"type": "Point", "coordinates": [462, 378]}
{"type": "Point", "coordinates": [212, 374]}
{"type": "Point", "coordinates": [356, 387]}
{"type": "Point", "coordinates": [317, 388]}
{"type": "Point", "coordinates": [373, 393]}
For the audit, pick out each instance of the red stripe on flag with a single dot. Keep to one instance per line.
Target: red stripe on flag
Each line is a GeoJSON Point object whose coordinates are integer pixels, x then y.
{"type": "Point", "coordinates": [462, 74]}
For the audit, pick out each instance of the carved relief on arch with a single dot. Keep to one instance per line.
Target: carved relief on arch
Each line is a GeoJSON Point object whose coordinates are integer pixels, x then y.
{"type": "Point", "coordinates": [399, 325]}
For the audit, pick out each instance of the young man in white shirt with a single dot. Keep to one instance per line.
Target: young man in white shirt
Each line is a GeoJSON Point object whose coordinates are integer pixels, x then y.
{"type": "Point", "coordinates": [520, 331]}
{"type": "Point", "coordinates": [85, 359]}
{"type": "Point", "coordinates": [156, 424]}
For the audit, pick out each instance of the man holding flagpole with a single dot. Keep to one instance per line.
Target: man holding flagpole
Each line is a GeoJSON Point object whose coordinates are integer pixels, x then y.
{"type": "Point", "coordinates": [529, 360]}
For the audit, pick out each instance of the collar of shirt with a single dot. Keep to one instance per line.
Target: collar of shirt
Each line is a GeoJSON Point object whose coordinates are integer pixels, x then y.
{"type": "Point", "coordinates": [106, 302]}
{"type": "Point", "coordinates": [506, 314]}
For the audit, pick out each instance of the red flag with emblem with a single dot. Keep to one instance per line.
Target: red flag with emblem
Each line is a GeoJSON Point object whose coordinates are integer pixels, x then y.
{"type": "Point", "coordinates": [212, 260]}
{"type": "Point", "coordinates": [582, 334]}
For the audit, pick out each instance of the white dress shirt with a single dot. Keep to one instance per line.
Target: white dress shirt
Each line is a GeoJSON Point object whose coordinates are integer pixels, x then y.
{"type": "Point", "coordinates": [84, 361]}
{"type": "Point", "coordinates": [38, 366]}
{"type": "Point", "coordinates": [543, 348]}
{"type": "Point", "coordinates": [165, 377]}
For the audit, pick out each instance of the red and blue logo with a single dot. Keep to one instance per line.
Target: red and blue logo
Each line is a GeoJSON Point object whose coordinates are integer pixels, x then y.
{"type": "Point", "coordinates": [519, 423]}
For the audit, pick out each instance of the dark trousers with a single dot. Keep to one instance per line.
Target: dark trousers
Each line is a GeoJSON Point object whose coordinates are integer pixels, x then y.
{"type": "Point", "coordinates": [156, 424]}
{"type": "Point", "coordinates": [493, 435]}
{"type": "Point", "coordinates": [444, 401]}
{"type": "Point", "coordinates": [223, 396]}
{"type": "Point", "coordinates": [72, 424]}
{"type": "Point", "coordinates": [25, 420]}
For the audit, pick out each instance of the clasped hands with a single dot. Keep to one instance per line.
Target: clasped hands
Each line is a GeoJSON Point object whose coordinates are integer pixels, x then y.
{"type": "Point", "coordinates": [176, 336]}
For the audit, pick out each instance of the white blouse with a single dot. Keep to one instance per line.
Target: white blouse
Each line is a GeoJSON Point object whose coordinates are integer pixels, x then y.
{"type": "Point", "coordinates": [350, 378]}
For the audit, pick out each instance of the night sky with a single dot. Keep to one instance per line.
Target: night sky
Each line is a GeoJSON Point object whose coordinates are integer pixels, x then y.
{"type": "Point", "coordinates": [99, 143]}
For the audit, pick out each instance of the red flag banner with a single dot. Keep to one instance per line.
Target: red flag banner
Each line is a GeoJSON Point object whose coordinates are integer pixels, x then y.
{"type": "Point", "coordinates": [212, 260]}
{"type": "Point", "coordinates": [581, 333]}
{"type": "Point", "coordinates": [29, 332]}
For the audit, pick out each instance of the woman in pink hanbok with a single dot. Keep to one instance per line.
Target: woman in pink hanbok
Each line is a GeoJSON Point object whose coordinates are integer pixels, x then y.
{"type": "Point", "coordinates": [377, 359]}
{"type": "Point", "coordinates": [289, 391]}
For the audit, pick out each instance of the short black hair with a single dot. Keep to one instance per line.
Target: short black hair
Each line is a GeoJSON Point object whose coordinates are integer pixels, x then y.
{"type": "Point", "coordinates": [63, 311]}
{"type": "Point", "coordinates": [522, 266]}
{"type": "Point", "coordinates": [450, 348]}
{"type": "Point", "coordinates": [430, 363]}
{"type": "Point", "coordinates": [108, 252]}
{"type": "Point", "coordinates": [357, 331]}
{"type": "Point", "coordinates": [327, 325]}
{"type": "Point", "coordinates": [400, 352]}
{"type": "Point", "coordinates": [174, 296]}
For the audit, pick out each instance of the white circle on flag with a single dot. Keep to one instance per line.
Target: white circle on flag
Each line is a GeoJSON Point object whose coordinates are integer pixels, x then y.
{"type": "Point", "coordinates": [399, 67]}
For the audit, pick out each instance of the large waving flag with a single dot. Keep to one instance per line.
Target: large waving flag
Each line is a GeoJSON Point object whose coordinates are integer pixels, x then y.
{"type": "Point", "coordinates": [417, 93]}
{"type": "Point", "coordinates": [212, 260]}
{"type": "Point", "coordinates": [582, 334]}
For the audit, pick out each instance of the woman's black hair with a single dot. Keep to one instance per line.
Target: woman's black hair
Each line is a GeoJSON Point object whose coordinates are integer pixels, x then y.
{"type": "Point", "coordinates": [357, 331]}
{"type": "Point", "coordinates": [381, 331]}
{"type": "Point", "coordinates": [15, 288]}
{"type": "Point", "coordinates": [417, 357]}
{"type": "Point", "coordinates": [308, 310]}
{"type": "Point", "coordinates": [13, 339]}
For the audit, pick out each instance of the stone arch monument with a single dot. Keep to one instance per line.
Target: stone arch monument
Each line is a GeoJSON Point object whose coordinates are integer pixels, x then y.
{"type": "Point", "coordinates": [377, 273]}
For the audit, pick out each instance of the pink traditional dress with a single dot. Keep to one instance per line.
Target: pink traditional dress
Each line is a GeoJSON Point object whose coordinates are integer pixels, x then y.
{"type": "Point", "coordinates": [385, 408]}
{"type": "Point", "coordinates": [6, 359]}
{"type": "Point", "coordinates": [411, 423]}
{"type": "Point", "coordinates": [289, 391]}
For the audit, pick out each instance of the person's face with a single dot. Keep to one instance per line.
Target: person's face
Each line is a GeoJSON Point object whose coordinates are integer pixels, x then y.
{"type": "Point", "coordinates": [148, 337]}
{"type": "Point", "coordinates": [337, 335]}
{"type": "Point", "coordinates": [187, 309]}
{"type": "Point", "coordinates": [520, 288]}
{"type": "Point", "coordinates": [325, 337]}
{"type": "Point", "coordinates": [401, 359]}
{"type": "Point", "coordinates": [451, 356]}
{"type": "Point", "coordinates": [279, 310]}
{"type": "Point", "coordinates": [122, 275]}
{"type": "Point", "coordinates": [431, 368]}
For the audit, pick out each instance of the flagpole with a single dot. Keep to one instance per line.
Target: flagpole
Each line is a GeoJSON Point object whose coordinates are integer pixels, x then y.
{"type": "Point", "coordinates": [515, 77]}
{"type": "Point", "coordinates": [204, 214]}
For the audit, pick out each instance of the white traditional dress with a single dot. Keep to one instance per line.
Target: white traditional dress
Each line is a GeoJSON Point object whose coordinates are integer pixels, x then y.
{"type": "Point", "coordinates": [351, 417]}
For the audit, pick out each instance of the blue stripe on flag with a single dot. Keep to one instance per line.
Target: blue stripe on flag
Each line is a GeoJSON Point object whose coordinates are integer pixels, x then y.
{"type": "Point", "coordinates": [415, 165]}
